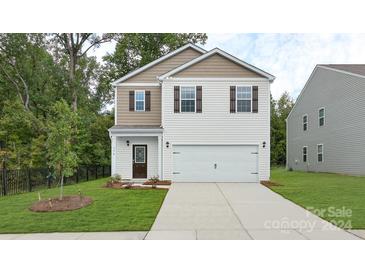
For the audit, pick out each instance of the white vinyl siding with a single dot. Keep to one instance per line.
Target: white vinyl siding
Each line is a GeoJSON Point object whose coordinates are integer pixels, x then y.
{"type": "Point", "coordinates": [216, 125]}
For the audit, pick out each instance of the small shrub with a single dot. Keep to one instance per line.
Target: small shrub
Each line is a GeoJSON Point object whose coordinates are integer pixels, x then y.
{"type": "Point", "coordinates": [290, 169]}
{"type": "Point", "coordinates": [116, 178]}
{"type": "Point", "coordinates": [154, 180]}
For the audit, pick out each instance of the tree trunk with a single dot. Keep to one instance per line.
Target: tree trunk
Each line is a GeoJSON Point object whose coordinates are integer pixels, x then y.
{"type": "Point", "coordinates": [61, 191]}
{"type": "Point", "coordinates": [72, 68]}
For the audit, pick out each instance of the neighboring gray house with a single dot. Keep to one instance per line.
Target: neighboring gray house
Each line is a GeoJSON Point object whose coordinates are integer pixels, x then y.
{"type": "Point", "coordinates": [326, 128]}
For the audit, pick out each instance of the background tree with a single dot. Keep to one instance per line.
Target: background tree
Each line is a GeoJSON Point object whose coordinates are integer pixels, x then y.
{"type": "Point", "coordinates": [61, 129]}
{"type": "Point", "coordinates": [37, 70]}
{"type": "Point", "coordinates": [18, 128]}
{"type": "Point", "coordinates": [280, 110]}
{"type": "Point", "coordinates": [76, 46]}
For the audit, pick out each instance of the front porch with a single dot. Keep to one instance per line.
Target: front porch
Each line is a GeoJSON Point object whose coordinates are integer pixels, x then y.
{"type": "Point", "coordinates": [136, 152]}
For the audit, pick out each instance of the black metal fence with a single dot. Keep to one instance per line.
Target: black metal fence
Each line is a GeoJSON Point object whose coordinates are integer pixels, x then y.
{"type": "Point", "coordinates": [27, 180]}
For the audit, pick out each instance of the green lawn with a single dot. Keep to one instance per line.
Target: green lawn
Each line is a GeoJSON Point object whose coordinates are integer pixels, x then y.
{"type": "Point", "coordinates": [327, 192]}
{"type": "Point", "coordinates": [112, 210]}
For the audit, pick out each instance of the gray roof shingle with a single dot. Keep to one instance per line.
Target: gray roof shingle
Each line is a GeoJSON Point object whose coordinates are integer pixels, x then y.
{"type": "Point", "coordinates": [352, 68]}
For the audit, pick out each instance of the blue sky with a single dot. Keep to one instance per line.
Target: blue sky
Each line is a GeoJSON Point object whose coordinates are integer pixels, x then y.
{"type": "Point", "coordinates": [289, 57]}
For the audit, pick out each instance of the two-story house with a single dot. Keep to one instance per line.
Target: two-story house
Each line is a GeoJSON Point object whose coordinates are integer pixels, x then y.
{"type": "Point", "coordinates": [193, 116]}
{"type": "Point", "coordinates": [326, 127]}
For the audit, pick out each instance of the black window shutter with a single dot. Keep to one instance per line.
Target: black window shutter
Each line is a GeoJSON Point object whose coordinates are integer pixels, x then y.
{"type": "Point", "coordinates": [147, 100]}
{"type": "Point", "coordinates": [255, 99]}
{"type": "Point", "coordinates": [176, 99]}
{"type": "Point", "coordinates": [232, 99]}
{"type": "Point", "coordinates": [131, 100]}
{"type": "Point", "coordinates": [199, 99]}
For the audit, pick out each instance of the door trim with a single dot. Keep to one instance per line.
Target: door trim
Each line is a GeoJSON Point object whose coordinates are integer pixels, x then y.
{"type": "Point", "coordinates": [146, 159]}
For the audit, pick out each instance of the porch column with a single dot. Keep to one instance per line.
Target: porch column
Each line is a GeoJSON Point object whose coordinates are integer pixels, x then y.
{"type": "Point", "coordinates": [114, 154]}
{"type": "Point", "coordinates": [159, 158]}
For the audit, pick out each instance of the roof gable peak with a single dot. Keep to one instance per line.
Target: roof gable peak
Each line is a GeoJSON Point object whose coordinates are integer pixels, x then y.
{"type": "Point", "coordinates": [159, 60]}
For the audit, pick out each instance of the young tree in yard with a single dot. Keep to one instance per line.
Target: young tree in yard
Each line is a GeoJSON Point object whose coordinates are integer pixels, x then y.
{"type": "Point", "coordinates": [279, 112]}
{"type": "Point", "coordinates": [61, 129]}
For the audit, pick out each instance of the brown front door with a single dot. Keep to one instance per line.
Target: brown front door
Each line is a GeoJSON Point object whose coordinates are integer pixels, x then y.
{"type": "Point", "coordinates": [139, 161]}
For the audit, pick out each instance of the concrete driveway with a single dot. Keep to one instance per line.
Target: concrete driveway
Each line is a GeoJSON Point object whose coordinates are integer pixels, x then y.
{"type": "Point", "coordinates": [236, 211]}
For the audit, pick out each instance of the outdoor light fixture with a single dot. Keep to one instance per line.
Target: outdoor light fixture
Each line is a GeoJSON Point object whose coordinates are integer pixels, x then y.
{"type": "Point", "coordinates": [128, 143]}
{"type": "Point", "coordinates": [167, 144]}
{"type": "Point", "coordinates": [263, 144]}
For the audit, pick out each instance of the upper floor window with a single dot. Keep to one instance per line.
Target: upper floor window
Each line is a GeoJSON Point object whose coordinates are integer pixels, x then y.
{"type": "Point", "coordinates": [320, 153]}
{"type": "Point", "coordinates": [305, 122]}
{"type": "Point", "coordinates": [305, 153]}
{"type": "Point", "coordinates": [139, 100]}
{"type": "Point", "coordinates": [321, 116]}
{"type": "Point", "coordinates": [244, 98]}
{"type": "Point", "coordinates": [188, 96]}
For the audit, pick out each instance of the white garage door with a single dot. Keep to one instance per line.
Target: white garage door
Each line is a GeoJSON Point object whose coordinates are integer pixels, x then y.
{"type": "Point", "coordinates": [215, 163]}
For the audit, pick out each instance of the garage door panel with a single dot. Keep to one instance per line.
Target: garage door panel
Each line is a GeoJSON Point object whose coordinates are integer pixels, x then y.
{"type": "Point", "coordinates": [212, 163]}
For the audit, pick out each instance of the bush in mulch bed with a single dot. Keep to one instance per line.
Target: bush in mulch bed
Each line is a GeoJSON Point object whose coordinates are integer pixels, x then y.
{"type": "Point", "coordinates": [153, 181]}
{"type": "Point", "coordinates": [67, 203]}
{"type": "Point", "coordinates": [270, 183]}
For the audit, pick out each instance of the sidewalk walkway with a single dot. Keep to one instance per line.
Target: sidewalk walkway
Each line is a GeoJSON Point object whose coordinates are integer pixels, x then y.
{"type": "Point", "coordinates": [126, 235]}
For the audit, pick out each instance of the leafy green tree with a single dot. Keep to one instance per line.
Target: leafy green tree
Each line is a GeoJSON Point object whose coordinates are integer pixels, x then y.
{"type": "Point", "coordinates": [18, 128]}
{"type": "Point", "coordinates": [28, 72]}
{"type": "Point", "coordinates": [280, 110]}
{"type": "Point", "coordinates": [61, 130]}
{"type": "Point", "coordinates": [93, 147]}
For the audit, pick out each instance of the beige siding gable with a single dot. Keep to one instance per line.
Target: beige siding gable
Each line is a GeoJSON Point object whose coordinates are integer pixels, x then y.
{"type": "Point", "coordinates": [126, 117]}
{"type": "Point", "coordinates": [217, 66]}
{"type": "Point", "coordinates": [151, 74]}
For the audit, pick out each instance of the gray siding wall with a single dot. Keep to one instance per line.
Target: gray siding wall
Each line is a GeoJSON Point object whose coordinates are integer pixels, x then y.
{"type": "Point", "coordinates": [342, 136]}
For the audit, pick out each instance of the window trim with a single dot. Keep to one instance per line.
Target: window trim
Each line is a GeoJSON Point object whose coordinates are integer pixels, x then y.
{"type": "Point", "coordinates": [307, 123]}
{"type": "Point", "coordinates": [180, 90]}
{"type": "Point", "coordinates": [135, 100]}
{"type": "Point", "coordinates": [320, 153]}
{"type": "Point", "coordinates": [144, 154]}
{"type": "Point", "coordinates": [250, 86]}
{"type": "Point", "coordinates": [324, 117]}
{"type": "Point", "coordinates": [306, 154]}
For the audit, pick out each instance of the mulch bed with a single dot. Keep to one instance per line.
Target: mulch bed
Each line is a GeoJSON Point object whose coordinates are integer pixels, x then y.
{"type": "Point", "coordinates": [66, 204]}
{"type": "Point", "coordinates": [116, 185]}
{"type": "Point", "coordinates": [270, 183]}
{"type": "Point", "coordinates": [141, 187]}
{"type": "Point", "coordinates": [161, 183]}
{"type": "Point", "coordinates": [120, 185]}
